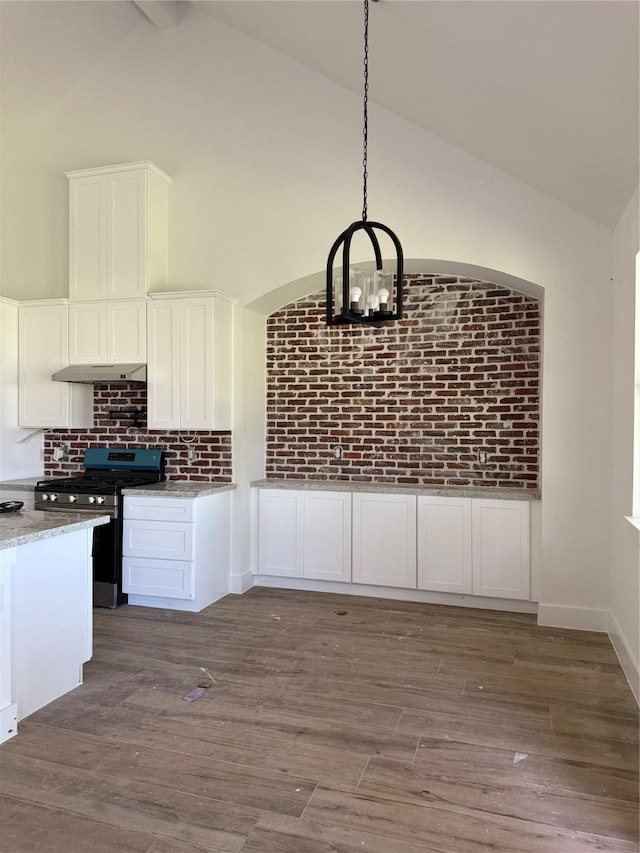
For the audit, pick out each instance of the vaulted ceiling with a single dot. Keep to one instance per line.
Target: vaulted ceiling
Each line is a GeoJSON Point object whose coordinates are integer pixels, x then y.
{"type": "Point", "coordinates": [546, 90]}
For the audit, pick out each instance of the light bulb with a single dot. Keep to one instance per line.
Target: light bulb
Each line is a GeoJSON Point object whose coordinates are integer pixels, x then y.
{"type": "Point", "coordinates": [383, 295]}
{"type": "Point", "coordinates": [354, 294]}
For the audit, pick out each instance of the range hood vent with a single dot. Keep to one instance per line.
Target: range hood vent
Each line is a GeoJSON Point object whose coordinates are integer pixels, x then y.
{"type": "Point", "coordinates": [91, 374]}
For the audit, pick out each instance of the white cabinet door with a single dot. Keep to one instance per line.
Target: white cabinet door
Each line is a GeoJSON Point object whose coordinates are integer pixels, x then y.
{"type": "Point", "coordinates": [118, 235]}
{"type": "Point", "coordinates": [384, 540]}
{"type": "Point", "coordinates": [104, 332]}
{"type": "Point", "coordinates": [88, 236]}
{"type": "Point", "coordinates": [280, 542]}
{"type": "Point", "coordinates": [163, 367]}
{"type": "Point", "coordinates": [327, 536]}
{"type": "Point", "coordinates": [43, 342]}
{"type": "Point", "coordinates": [501, 548]}
{"type": "Point", "coordinates": [126, 331]}
{"type": "Point", "coordinates": [189, 363]}
{"type": "Point", "coordinates": [87, 333]}
{"type": "Point", "coordinates": [444, 544]}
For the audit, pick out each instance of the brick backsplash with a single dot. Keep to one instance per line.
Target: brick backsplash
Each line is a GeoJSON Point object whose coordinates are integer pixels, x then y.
{"type": "Point", "coordinates": [414, 402]}
{"type": "Point", "coordinates": [213, 449]}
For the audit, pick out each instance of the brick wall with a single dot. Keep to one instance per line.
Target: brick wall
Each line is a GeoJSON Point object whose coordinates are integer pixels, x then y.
{"type": "Point", "coordinates": [447, 396]}
{"type": "Point", "coordinates": [213, 449]}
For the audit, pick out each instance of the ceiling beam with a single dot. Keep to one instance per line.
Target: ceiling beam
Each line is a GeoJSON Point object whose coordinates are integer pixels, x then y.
{"type": "Point", "coordinates": [163, 13]}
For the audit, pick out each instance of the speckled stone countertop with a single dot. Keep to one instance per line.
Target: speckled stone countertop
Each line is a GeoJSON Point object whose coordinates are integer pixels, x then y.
{"type": "Point", "coordinates": [27, 484]}
{"type": "Point", "coordinates": [391, 489]}
{"type": "Point", "coordinates": [180, 489]}
{"type": "Point", "coordinates": [24, 526]}
{"type": "Point", "coordinates": [169, 488]}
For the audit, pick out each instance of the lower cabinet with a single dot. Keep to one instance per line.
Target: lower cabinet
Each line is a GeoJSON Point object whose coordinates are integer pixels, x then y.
{"type": "Point", "coordinates": [304, 534]}
{"type": "Point", "coordinates": [460, 545]}
{"type": "Point", "coordinates": [474, 545]}
{"type": "Point", "coordinates": [176, 550]}
{"type": "Point", "coordinates": [384, 539]}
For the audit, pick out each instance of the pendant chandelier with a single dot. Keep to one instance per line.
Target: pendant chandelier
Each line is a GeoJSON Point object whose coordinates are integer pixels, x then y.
{"type": "Point", "coordinates": [352, 296]}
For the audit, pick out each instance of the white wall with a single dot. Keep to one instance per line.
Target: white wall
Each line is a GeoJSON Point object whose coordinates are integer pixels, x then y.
{"type": "Point", "coordinates": [624, 603]}
{"type": "Point", "coordinates": [18, 457]}
{"type": "Point", "coordinates": [265, 157]}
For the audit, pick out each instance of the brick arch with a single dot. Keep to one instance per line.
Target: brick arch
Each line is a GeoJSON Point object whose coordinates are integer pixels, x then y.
{"type": "Point", "coordinates": [450, 395]}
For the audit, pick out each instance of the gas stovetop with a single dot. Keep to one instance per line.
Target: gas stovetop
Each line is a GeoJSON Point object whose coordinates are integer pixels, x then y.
{"type": "Point", "coordinates": [107, 472]}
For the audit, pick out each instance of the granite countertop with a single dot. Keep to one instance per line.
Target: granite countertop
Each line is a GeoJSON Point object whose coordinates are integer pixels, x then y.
{"type": "Point", "coordinates": [169, 488]}
{"type": "Point", "coordinates": [180, 489]}
{"type": "Point", "coordinates": [27, 484]}
{"type": "Point", "coordinates": [24, 526]}
{"type": "Point", "coordinates": [392, 489]}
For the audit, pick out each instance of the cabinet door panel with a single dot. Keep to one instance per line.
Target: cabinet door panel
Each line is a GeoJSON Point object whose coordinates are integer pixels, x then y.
{"type": "Point", "coordinates": [196, 329]}
{"type": "Point", "coordinates": [87, 333]}
{"type": "Point", "coordinates": [164, 578]}
{"type": "Point", "coordinates": [87, 237]}
{"type": "Point", "coordinates": [126, 331]}
{"type": "Point", "coordinates": [280, 519]}
{"type": "Point", "coordinates": [126, 234]}
{"type": "Point", "coordinates": [163, 380]}
{"type": "Point", "coordinates": [327, 536]}
{"type": "Point", "coordinates": [384, 540]}
{"type": "Point", "coordinates": [444, 544]}
{"type": "Point", "coordinates": [158, 539]}
{"type": "Point", "coordinates": [501, 548]}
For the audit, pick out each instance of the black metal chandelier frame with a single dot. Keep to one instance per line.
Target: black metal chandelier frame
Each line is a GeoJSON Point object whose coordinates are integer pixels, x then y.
{"type": "Point", "coordinates": [347, 312]}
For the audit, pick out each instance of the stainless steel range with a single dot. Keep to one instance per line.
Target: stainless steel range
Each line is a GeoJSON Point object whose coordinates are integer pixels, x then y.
{"type": "Point", "coordinates": [107, 471]}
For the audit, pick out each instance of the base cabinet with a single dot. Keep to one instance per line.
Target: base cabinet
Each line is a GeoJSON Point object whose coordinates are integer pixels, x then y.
{"type": "Point", "coordinates": [457, 545]}
{"type": "Point", "coordinates": [384, 540]}
{"type": "Point", "coordinates": [304, 534]}
{"type": "Point", "coordinates": [176, 551]}
{"type": "Point", "coordinates": [501, 549]}
{"type": "Point", "coordinates": [444, 544]}
{"type": "Point", "coordinates": [474, 545]}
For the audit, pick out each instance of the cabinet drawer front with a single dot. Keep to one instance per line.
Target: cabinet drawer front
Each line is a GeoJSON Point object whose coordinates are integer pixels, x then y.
{"type": "Point", "coordinates": [164, 578]}
{"type": "Point", "coordinates": [159, 509]}
{"type": "Point", "coordinates": [158, 539]}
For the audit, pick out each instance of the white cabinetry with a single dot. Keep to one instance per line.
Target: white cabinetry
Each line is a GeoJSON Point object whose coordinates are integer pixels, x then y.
{"type": "Point", "coordinates": [43, 349]}
{"type": "Point", "coordinates": [118, 231]}
{"type": "Point", "coordinates": [384, 539]}
{"type": "Point", "coordinates": [444, 544]}
{"type": "Point", "coordinates": [104, 332]}
{"type": "Point", "coordinates": [474, 545]}
{"type": "Point", "coordinates": [305, 534]}
{"type": "Point", "coordinates": [176, 551]}
{"type": "Point", "coordinates": [189, 362]}
{"type": "Point", "coordinates": [501, 548]}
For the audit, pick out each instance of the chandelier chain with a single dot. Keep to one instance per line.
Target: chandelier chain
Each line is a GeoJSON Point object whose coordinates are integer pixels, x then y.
{"type": "Point", "coordinates": [365, 127]}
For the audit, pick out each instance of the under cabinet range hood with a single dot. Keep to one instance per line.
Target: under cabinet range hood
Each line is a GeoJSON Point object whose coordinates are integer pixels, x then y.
{"type": "Point", "coordinates": [91, 374]}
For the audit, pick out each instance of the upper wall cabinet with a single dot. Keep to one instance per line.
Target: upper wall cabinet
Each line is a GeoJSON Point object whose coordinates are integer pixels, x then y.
{"type": "Point", "coordinates": [43, 337]}
{"type": "Point", "coordinates": [189, 345]}
{"type": "Point", "coordinates": [118, 231]}
{"type": "Point", "coordinates": [108, 332]}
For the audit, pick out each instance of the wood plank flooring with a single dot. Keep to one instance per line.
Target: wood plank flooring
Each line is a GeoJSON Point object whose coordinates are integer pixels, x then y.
{"type": "Point", "coordinates": [392, 727]}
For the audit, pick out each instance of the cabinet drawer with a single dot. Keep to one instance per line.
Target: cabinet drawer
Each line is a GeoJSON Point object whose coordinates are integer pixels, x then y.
{"type": "Point", "coordinates": [157, 539]}
{"type": "Point", "coordinates": [163, 578]}
{"type": "Point", "coordinates": [159, 509]}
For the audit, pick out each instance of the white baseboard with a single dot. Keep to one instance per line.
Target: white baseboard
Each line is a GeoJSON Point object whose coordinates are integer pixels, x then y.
{"type": "Point", "coordinates": [625, 655]}
{"type": "Point", "coordinates": [240, 583]}
{"type": "Point", "coordinates": [578, 618]}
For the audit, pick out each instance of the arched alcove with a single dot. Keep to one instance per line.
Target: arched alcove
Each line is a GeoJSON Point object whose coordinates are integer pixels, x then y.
{"type": "Point", "coordinates": [448, 396]}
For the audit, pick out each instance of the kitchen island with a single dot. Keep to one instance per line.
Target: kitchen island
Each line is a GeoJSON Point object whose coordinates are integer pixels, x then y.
{"type": "Point", "coordinates": [46, 608]}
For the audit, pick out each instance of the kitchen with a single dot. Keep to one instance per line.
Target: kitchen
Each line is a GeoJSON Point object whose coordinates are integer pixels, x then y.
{"type": "Point", "coordinates": [227, 165]}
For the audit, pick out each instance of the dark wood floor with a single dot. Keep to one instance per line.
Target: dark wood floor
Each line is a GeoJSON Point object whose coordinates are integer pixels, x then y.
{"type": "Point", "coordinates": [388, 728]}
